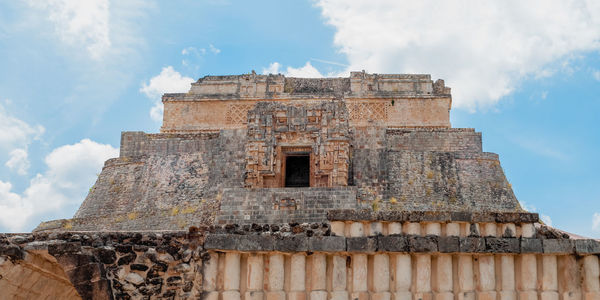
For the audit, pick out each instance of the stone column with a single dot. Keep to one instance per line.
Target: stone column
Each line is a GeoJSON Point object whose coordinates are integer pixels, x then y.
{"type": "Point", "coordinates": [338, 228]}
{"type": "Point", "coordinates": [318, 278]}
{"type": "Point", "coordinates": [412, 228]}
{"type": "Point", "coordinates": [527, 230]}
{"type": "Point", "coordinates": [210, 271]}
{"type": "Point", "coordinates": [381, 277]}
{"type": "Point", "coordinates": [255, 277]}
{"type": "Point", "coordinates": [394, 228]}
{"type": "Point", "coordinates": [527, 277]}
{"type": "Point", "coordinates": [507, 271]}
{"type": "Point", "coordinates": [276, 277]}
{"type": "Point", "coordinates": [549, 278]}
{"type": "Point", "coordinates": [489, 229]}
{"type": "Point", "coordinates": [375, 228]}
{"type": "Point", "coordinates": [338, 278]}
{"type": "Point", "coordinates": [297, 277]}
{"type": "Point", "coordinates": [442, 285]}
{"type": "Point", "coordinates": [591, 280]}
{"type": "Point", "coordinates": [356, 229]}
{"type": "Point", "coordinates": [487, 278]}
{"type": "Point", "coordinates": [359, 277]}
{"type": "Point", "coordinates": [466, 285]}
{"type": "Point", "coordinates": [231, 282]}
{"type": "Point", "coordinates": [453, 229]}
{"type": "Point", "coordinates": [403, 276]}
{"type": "Point", "coordinates": [422, 284]}
{"type": "Point", "coordinates": [569, 278]}
{"type": "Point", "coordinates": [434, 228]}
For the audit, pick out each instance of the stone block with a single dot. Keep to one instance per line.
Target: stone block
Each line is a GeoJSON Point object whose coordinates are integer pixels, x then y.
{"type": "Point", "coordinates": [394, 228]}
{"type": "Point", "coordinates": [486, 295]}
{"type": "Point", "coordinates": [280, 295]}
{"type": "Point", "coordinates": [591, 296]}
{"type": "Point", "coordinates": [587, 246]}
{"type": "Point", "coordinates": [361, 244]}
{"type": "Point", "coordinates": [449, 244]}
{"type": "Point", "coordinates": [465, 295]}
{"type": "Point", "coordinates": [527, 230]}
{"type": "Point", "coordinates": [220, 242]}
{"type": "Point", "coordinates": [295, 296]}
{"type": "Point", "coordinates": [291, 244]}
{"type": "Point", "coordinates": [254, 295]}
{"type": "Point", "coordinates": [402, 296]}
{"type": "Point", "coordinates": [395, 243]}
{"type": "Point", "coordinates": [531, 245]}
{"type": "Point", "coordinates": [472, 245]}
{"type": "Point", "coordinates": [339, 295]}
{"type": "Point", "coordinates": [231, 295]}
{"type": "Point", "coordinates": [209, 296]}
{"type": "Point", "coordinates": [64, 248]}
{"type": "Point", "coordinates": [359, 296]}
{"type": "Point", "coordinates": [338, 228]}
{"type": "Point", "coordinates": [381, 296]}
{"type": "Point", "coordinates": [443, 296]}
{"type": "Point", "coordinates": [255, 243]}
{"type": "Point", "coordinates": [318, 295]}
{"type": "Point", "coordinates": [453, 229]}
{"type": "Point", "coordinates": [549, 295]}
{"type": "Point", "coordinates": [528, 295]}
{"type": "Point", "coordinates": [502, 245]}
{"type": "Point", "coordinates": [327, 243]}
{"type": "Point", "coordinates": [558, 246]}
{"type": "Point", "coordinates": [507, 295]}
{"type": "Point", "coordinates": [423, 243]}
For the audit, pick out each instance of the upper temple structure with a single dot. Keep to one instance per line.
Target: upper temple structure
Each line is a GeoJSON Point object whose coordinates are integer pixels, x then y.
{"type": "Point", "coordinates": [262, 187]}
{"type": "Point", "coordinates": [266, 149]}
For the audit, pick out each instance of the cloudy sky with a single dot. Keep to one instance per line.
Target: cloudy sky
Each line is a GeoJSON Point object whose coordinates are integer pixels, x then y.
{"type": "Point", "coordinates": [74, 74]}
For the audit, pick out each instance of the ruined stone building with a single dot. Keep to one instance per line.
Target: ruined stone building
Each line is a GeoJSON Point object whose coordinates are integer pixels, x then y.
{"type": "Point", "coordinates": [262, 187]}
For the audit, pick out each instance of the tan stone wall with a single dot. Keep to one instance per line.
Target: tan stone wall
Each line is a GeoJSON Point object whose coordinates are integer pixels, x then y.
{"type": "Point", "coordinates": [37, 276]}
{"type": "Point", "coordinates": [213, 115]}
{"type": "Point", "coordinates": [384, 276]}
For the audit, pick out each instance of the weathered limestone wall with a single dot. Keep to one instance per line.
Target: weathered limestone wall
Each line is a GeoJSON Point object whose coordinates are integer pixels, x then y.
{"type": "Point", "coordinates": [283, 205]}
{"type": "Point", "coordinates": [393, 100]}
{"type": "Point", "coordinates": [163, 181]}
{"type": "Point", "coordinates": [358, 255]}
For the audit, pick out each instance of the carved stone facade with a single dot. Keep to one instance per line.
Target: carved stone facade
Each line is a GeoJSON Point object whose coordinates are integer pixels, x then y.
{"type": "Point", "coordinates": [262, 187]}
{"type": "Point", "coordinates": [318, 130]}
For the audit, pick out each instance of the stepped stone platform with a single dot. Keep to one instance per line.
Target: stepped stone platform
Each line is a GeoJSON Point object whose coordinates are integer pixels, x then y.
{"type": "Point", "coordinates": [263, 187]}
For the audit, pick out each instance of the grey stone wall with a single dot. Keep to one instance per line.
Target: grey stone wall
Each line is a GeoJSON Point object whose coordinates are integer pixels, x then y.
{"type": "Point", "coordinates": [446, 140]}
{"type": "Point", "coordinates": [283, 205]}
{"type": "Point", "coordinates": [164, 172]}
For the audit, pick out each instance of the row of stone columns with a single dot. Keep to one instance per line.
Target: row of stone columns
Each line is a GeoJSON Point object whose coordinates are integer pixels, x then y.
{"type": "Point", "coordinates": [402, 276]}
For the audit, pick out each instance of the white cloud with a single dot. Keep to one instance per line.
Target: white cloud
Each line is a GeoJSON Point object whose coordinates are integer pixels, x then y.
{"type": "Point", "coordinates": [18, 161]}
{"type": "Point", "coordinates": [307, 71]}
{"type": "Point", "coordinates": [79, 23]}
{"type": "Point", "coordinates": [596, 74]}
{"type": "Point", "coordinates": [59, 191]}
{"type": "Point", "coordinates": [546, 219]}
{"type": "Point", "coordinates": [482, 49]}
{"type": "Point", "coordinates": [273, 68]}
{"type": "Point", "coordinates": [596, 221]}
{"type": "Point", "coordinates": [168, 81]}
{"type": "Point", "coordinates": [15, 133]}
{"type": "Point", "coordinates": [214, 49]}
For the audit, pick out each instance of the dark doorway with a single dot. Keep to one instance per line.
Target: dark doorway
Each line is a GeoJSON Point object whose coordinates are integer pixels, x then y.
{"type": "Point", "coordinates": [297, 171]}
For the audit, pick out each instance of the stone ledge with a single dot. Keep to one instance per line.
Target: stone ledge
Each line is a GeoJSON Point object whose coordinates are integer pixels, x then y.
{"type": "Point", "coordinates": [399, 243]}
{"type": "Point", "coordinates": [430, 216]}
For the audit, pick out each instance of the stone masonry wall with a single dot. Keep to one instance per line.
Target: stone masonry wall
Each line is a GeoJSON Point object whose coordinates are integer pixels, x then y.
{"type": "Point", "coordinates": [165, 174]}
{"type": "Point", "coordinates": [358, 255]}
{"type": "Point", "coordinates": [283, 205]}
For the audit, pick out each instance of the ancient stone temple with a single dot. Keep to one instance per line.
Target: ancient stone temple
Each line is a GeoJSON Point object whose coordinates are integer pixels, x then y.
{"type": "Point", "coordinates": [262, 187]}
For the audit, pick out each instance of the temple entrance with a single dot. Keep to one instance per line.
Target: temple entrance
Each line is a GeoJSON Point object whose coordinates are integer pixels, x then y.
{"type": "Point", "coordinates": [297, 171]}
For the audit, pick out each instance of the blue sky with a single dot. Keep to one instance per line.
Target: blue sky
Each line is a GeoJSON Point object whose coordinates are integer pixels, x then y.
{"type": "Point", "coordinates": [74, 74]}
